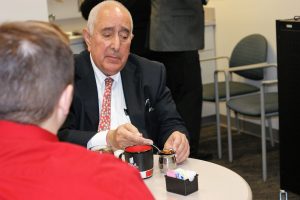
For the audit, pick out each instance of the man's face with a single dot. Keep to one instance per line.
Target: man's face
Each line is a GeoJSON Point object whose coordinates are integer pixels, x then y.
{"type": "Point", "coordinates": [109, 44]}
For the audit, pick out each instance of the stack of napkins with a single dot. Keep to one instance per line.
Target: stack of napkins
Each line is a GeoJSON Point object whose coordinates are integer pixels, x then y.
{"type": "Point", "coordinates": [182, 174]}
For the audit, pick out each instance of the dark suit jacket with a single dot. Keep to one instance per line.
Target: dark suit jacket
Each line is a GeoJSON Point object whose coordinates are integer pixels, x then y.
{"type": "Point", "coordinates": [149, 102]}
{"type": "Point", "coordinates": [176, 25]}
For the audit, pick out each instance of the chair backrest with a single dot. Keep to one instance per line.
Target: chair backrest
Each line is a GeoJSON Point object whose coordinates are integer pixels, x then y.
{"type": "Point", "coordinates": [252, 49]}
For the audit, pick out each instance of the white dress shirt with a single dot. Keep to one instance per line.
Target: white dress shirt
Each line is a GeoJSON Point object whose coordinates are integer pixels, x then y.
{"type": "Point", "coordinates": [119, 113]}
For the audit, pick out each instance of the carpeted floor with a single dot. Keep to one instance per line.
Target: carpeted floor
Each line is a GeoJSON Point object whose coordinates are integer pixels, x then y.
{"type": "Point", "coordinates": [247, 162]}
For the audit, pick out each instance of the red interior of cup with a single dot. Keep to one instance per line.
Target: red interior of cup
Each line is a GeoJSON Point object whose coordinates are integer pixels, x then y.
{"type": "Point", "coordinates": [138, 148]}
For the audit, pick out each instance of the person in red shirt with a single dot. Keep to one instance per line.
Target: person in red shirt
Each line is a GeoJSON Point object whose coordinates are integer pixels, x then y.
{"type": "Point", "coordinates": [36, 78]}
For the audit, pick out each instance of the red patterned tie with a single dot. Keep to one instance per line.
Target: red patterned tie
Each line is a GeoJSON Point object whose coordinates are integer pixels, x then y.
{"type": "Point", "coordinates": [104, 123]}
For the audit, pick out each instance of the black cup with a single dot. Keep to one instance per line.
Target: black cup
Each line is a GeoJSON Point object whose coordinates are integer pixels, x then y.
{"type": "Point", "coordinates": [141, 157]}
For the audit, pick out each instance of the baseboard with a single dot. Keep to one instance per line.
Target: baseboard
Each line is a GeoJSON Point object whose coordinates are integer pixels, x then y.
{"type": "Point", "coordinates": [245, 126]}
{"type": "Point", "coordinates": [208, 120]}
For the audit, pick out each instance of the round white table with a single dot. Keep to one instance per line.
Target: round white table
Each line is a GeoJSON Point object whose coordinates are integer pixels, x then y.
{"type": "Point", "coordinates": [215, 182]}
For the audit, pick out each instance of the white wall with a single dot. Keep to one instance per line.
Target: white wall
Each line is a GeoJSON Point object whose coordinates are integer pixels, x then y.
{"type": "Point", "coordinates": [238, 18]}
{"type": "Point", "coordinates": [64, 9]}
{"type": "Point", "coordinates": [23, 10]}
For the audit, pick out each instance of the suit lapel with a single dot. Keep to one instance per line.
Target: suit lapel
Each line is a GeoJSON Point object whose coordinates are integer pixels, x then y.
{"type": "Point", "coordinates": [88, 91]}
{"type": "Point", "coordinates": [134, 95]}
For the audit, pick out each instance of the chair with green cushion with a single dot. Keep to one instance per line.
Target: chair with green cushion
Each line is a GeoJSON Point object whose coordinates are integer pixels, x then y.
{"type": "Point", "coordinates": [251, 49]}
{"type": "Point", "coordinates": [263, 105]}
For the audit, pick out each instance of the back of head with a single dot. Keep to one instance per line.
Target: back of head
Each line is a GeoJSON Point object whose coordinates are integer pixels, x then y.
{"type": "Point", "coordinates": [36, 65]}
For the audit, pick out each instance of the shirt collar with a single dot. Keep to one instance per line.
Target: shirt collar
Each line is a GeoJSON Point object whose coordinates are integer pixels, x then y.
{"type": "Point", "coordinates": [100, 76]}
{"type": "Point", "coordinates": [19, 131]}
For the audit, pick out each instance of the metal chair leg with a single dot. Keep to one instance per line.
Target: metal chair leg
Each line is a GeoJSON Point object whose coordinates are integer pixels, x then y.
{"type": "Point", "coordinates": [217, 101]}
{"type": "Point", "coordinates": [227, 78]}
{"type": "Point", "coordinates": [263, 135]}
{"type": "Point", "coordinates": [263, 147]}
{"type": "Point", "coordinates": [237, 124]}
{"type": "Point", "coordinates": [218, 130]}
{"type": "Point", "coordinates": [283, 195]}
{"type": "Point", "coordinates": [229, 134]}
{"type": "Point", "coordinates": [270, 131]}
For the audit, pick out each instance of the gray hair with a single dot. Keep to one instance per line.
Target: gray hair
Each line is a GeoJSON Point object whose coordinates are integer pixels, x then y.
{"type": "Point", "coordinates": [94, 12]}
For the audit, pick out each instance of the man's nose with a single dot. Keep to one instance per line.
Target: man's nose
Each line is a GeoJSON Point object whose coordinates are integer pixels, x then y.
{"type": "Point", "coordinates": [116, 43]}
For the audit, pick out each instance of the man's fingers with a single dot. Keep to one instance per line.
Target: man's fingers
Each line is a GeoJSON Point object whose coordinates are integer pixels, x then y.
{"type": "Point", "coordinates": [128, 135]}
{"type": "Point", "coordinates": [147, 141]}
{"type": "Point", "coordinates": [184, 144]}
{"type": "Point", "coordinates": [179, 143]}
{"type": "Point", "coordinates": [131, 128]}
{"type": "Point", "coordinates": [183, 154]}
{"type": "Point", "coordinates": [136, 140]}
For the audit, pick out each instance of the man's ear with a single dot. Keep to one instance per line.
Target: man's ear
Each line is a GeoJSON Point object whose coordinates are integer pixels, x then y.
{"type": "Point", "coordinates": [87, 37]}
{"type": "Point", "coordinates": [65, 100]}
{"type": "Point", "coordinates": [60, 113]}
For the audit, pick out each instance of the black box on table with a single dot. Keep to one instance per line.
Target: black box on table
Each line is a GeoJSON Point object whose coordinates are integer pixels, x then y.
{"type": "Point", "coordinates": [183, 187]}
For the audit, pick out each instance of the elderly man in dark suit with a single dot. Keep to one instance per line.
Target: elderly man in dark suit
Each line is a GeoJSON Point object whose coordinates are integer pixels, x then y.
{"type": "Point", "coordinates": [141, 109]}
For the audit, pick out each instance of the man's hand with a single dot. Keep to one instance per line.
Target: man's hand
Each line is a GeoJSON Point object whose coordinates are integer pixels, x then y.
{"type": "Point", "coordinates": [180, 144]}
{"type": "Point", "coordinates": [126, 135]}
